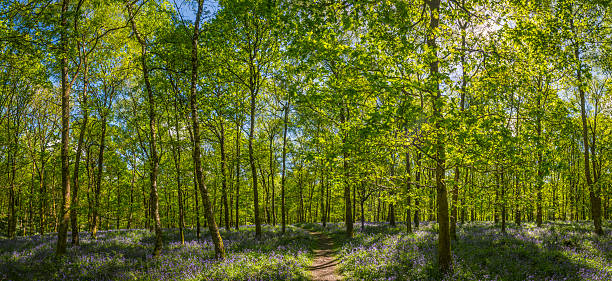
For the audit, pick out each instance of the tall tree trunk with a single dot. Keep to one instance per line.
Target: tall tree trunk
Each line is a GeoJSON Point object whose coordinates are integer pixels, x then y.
{"type": "Point", "coordinates": [455, 191]}
{"type": "Point", "coordinates": [593, 196]}
{"type": "Point", "coordinates": [272, 179]}
{"type": "Point", "coordinates": [65, 207]}
{"type": "Point", "coordinates": [12, 222]}
{"type": "Point", "coordinates": [176, 155]}
{"type": "Point", "coordinates": [132, 183]}
{"type": "Point", "coordinates": [197, 204]}
{"type": "Point", "coordinates": [224, 174]}
{"type": "Point", "coordinates": [408, 199]}
{"type": "Point", "coordinates": [499, 175]}
{"type": "Point", "coordinates": [212, 225]}
{"type": "Point", "coordinates": [153, 157]}
{"type": "Point", "coordinates": [391, 214]}
{"type": "Point", "coordinates": [362, 201]}
{"type": "Point", "coordinates": [517, 215]}
{"type": "Point", "coordinates": [301, 193]}
{"type": "Point", "coordinates": [540, 173]}
{"type": "Point", "coordinates": [77, 161]}
{"type": "Point", "coordinates": [348, 217]}
{"type": "Point", "coordinates": [42, 204]}
{"type": "Point", "coordinates": [444, 245]}
{"type": "Point", "coordinates": [266, 192]}
{"type": "Point", "coordinates": [455, 200]}
{"type": "Point", "coordinates": [99, 179]}
{"type": "Point", "coordinates": [327, 204]}
{"type": "Point", "coordinates": [118, 212]}
{"type": "Point", "coordinates": [283, 179]}
{"type": "Point", "coordinates": [417, 179]}
{"type": "Point", "coordinates": [238, 134]}
{"type": "Point", "coordinates": [253, 168]}
{"type": "Point", "coordinates": [322, 184]}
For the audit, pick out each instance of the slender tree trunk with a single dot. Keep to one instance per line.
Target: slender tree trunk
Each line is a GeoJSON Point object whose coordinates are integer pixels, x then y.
{"type": "Point", "coordinates": [99, 178]}
{"type": "Point", "coordinates": [391, 214]}
{"type": "Point", "coordinates": [408, 199]}
{"type": "Point", "coordinates": [455, 199]}
{"type": "Point", "coordinates": [283, 179]}
{"type": "Point", "coordinates": [301, 193]}
{"type": "Point", "coordinates": [327, 203]}
{"type": "Point", "coordinates": [253, 168]}
{"type": "Point", "coordinates": [31, 226]}
{"type": "Point", "coordinates": [355, 204]}
{"type": "Point", "coordinates": [176, 155]}
{"type": "Point", "coordinates": [455, 191]}
{"type": "Point", "coordinates": [362, 201]}
{"type": "Point", "coordinates": [540, 174]}
{"type": "Point", "coordinates": [322, 184]}
{"type": "Point", "coordinates": [272, 179]}
{"type": "Point", "coordinates": [118, 212]}
{"type": "Point", "coordinates": [153, 157]}
{"type": "Point", "coordinates": [444, 245]}
{"type": "Point", "coordinates": [42, 204]}
{"type": "Point", "coordinates": [65, 207]}
{"type": "Point", "coordinates": [12, 223]}
{"type": "Point", "coordinates": [212, 225]}
{"type": "Point", "coordinates": [224, 174]}
{"type": "Point", "coordinates": [593, 196]}
{"type": "Point", "coordinates": [417, 179]}
{"type": "Point", "coordinates": [132, 183]}
{"type": "Point", "coordinates": [348, 217]}
{"type": "Point", "coordinates": [266, 192]}
{"type": "Point", "coordinates": [197, 204]}
{"type": "Point", "coordinates": [517, 215]}
{"type": "Point", "coordinates": [238, 134]}
{"type": "Point", "coordinates": [310, 196]}
{"type": "Point", "coordinates": [501, 187]}
{"type": "Point", "coordinates": [77, 162]}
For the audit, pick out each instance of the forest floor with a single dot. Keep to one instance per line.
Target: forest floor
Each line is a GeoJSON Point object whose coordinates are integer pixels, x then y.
{"type": "Point", "coordinates": [555, 251]}
{"type": "Point", "coordinates": [323, 266]}
{"type": "Point", "coordinates": [558, 250]}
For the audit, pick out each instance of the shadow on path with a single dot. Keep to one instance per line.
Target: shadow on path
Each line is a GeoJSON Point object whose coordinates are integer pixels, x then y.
{"type": "Point", "coordinates": [324, 265]}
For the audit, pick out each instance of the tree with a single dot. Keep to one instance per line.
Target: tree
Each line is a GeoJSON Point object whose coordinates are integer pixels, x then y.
{"type": "Point", "coordinates": [153, 156]}
{"type": "Point", "coordinates": [65, 94]}
{"type": "Point", "coordinates": [217, 241]}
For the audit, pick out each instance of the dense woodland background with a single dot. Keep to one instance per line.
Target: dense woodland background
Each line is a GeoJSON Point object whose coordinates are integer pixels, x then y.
{"type": "Point", "coordinates": [161, 114]}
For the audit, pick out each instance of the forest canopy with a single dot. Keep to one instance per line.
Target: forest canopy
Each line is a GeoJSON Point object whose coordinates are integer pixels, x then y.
{"type": "Point", "coordinates": [121, 114]}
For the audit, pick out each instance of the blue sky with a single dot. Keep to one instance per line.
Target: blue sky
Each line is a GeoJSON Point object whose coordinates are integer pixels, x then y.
{"type": "Point", "coordinates": [187, 8]}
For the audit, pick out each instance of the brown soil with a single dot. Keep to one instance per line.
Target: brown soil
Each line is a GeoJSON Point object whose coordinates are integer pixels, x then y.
{"type": "Point", "coordinates": [324, 265]}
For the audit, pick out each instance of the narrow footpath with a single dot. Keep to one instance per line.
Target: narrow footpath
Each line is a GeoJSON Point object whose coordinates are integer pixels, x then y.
{"type": "Point", "coordinates": [324, 265]}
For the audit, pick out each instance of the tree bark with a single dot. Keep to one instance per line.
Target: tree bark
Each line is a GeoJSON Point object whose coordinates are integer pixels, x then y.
{"type": "Point", "coordinates": [283, 179]}
{"type": "Point", "coordinates": [593, 196]}
{"type": "Point", "coordinates": [238, 134]}
{"type": "Point", "coordinates": [224, 173]}
{"type": "Point", "coordinates": [176, 155]}
{"type": "Point", "coordinates": [99, 178]}
{"type": "Point", "coordinates": [253, 168]}
{"type": "Point", "coordinates": [444, 245]}
{"type": "Point", "coordinates": [77, 162]}
{"type": "Point", "coordinates": [212, 225]}
{"type": "Point", "coordinates": [540, 174]}
{"type": "Point", "coordinates": [454, 199]}
{"type": "Point", "coordinates": [153, 157]}
{"type": "Point", "coordinates": [408, 199]}
{"type": "Point", "coordinates": [417, 179]}
{"type": "Point", "coordinates": [65, 94]}
{"type": "Point", "coordinates": [348, 217]}
{"type": "Point", "coordinates": [271, 180]}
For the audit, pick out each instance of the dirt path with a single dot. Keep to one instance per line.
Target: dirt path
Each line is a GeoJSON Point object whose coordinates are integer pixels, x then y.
{"type": "Point", "coordinates": [324, 265]}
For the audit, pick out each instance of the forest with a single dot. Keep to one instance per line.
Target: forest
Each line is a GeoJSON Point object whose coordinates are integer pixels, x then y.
{"type": "Point", "coordinates": [299, 139]}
